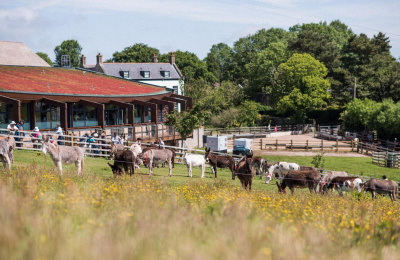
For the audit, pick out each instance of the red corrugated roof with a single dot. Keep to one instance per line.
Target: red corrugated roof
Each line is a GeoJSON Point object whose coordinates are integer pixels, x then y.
{"type": "Point", "coordinates": [67, 81]}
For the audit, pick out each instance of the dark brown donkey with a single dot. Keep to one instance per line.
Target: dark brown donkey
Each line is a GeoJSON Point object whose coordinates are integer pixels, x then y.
{"type": "Point", "coordinates": [300, 179]}
{"type": "Point", "coordinates": [245, 171]}
{"type": "Point", "coordinates": [383, 187]}
{"type": "Point", "coordinates": [220, 161]}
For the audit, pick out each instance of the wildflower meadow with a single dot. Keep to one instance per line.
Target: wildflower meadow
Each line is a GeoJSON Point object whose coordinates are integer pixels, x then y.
{"type": "Point", "coordinates": [97, 216]}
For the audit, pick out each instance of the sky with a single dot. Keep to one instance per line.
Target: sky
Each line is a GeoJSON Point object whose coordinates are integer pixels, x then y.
{"type": "Point", "coordinates": [187, 25]}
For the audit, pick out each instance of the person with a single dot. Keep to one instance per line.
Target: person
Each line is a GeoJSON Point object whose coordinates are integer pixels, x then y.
{"type": "Point", "coordinates": [20, 132]}
{"type": "Point", "coordinates": [269, 127]}
{"type": "Point", "coordinates": [384, 177]}
{"type": "Point", "coordinates": [103, 141]}
{"type": "Point", "coordinates": [36, 137]}
{"type": "Point", "coordinates": [84, 139]}
{"type": "Point", "coordinates": [139, 141]}
{"type": "Point", "coordinates": [115, 139]}
{"type": "Point", "coordinates": [12, 128]}
{"type": "Point", "coordinates": [95, 135]}
{"type": "Point", "coordinates": [60, 133]}
{"type": "Point", "coordinates": [161, 143]}
{"type": "Point", "coordinates": [122, 139]}
{"type": "Point", "coordinates": [276, 129]}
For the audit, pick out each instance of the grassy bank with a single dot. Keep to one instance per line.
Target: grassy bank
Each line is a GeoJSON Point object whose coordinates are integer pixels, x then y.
{"type": "Point", "coordinates": [45, 216]}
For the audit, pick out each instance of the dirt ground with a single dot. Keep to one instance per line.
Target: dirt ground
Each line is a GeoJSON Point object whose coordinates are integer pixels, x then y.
{"type": "Point", "coordinates": [304, 137]}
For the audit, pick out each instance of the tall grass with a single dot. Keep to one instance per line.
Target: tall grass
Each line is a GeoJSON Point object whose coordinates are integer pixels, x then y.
{"type": "Point", "coordinates": [47, 216]}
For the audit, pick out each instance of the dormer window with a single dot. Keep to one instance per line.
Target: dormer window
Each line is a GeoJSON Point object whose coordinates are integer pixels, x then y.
{"type": "Point", "coordinates": [125, 74]}
{"type": "Point", "coordinates": [166, 74]}
{"type": "Point", "coordinates": [146, 74]}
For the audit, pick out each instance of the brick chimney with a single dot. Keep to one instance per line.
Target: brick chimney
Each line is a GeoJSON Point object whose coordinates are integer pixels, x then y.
{"type": "Point", "coordinates": [172, 58]}
{"type": "Point", "coordinates": [83, 61]}
{"type": "Point", "coordinates": [99, 58]}
{"type": "Point", "coordinates": [155, 59]}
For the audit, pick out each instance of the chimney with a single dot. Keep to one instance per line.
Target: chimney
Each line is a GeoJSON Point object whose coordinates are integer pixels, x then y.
{"type": "Point", "coordinates": [83, 61]}
{"type": "Point", "coordinates": [172, 58]}
{"type": "Point", "coordinates": [99, 58]}
{"type": "Point", "coordinates": [155, 59]}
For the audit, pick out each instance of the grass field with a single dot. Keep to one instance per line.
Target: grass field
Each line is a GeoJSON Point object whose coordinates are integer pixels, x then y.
{"type": "Point", "coordinates": [98, 216]}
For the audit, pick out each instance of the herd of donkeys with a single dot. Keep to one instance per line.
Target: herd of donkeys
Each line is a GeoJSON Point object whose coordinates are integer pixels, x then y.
{"type": "Point", "coordinates": [291, 175]}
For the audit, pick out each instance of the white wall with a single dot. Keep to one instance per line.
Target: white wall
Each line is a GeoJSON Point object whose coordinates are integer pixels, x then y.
{"type": "Point", "coordinates": [169, 84]}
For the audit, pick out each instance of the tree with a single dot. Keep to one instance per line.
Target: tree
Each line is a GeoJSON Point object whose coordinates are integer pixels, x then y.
{"type": "Point", "coordinates": [357, 115]}
{"type": "Point", "coordinates": [71, 48]}
{"type": "Point", "coordinates": [300, 86]}
{"type": "Point", "coordinates": [187, 121]}
{"type": "Point", "coordinates": [138, 52]}
{"type": "Point", "coordinates": [45, 57]}
{"type": "Point", "coordinates": [248, 113]}
{"type": "Point", "coordinates": [220, 62]}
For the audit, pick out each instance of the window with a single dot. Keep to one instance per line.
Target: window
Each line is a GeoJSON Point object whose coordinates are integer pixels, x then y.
{"type": "Point", "coordinates": [166, 74]}
{"type": "Point", "coordinates": [47, 116]}
{"type": "Point", "coordinates": [84, 115]}
{"type": "Point", "coordinates": [115, 115]}
{"type": "Point", "coordinates": [126, 74]}
{"type": "Point", "coordinates": [146, 74]}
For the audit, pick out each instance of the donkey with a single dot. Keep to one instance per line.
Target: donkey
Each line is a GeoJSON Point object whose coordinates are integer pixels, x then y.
{"type": "Point", "coordinates": [245, 171]}
{"type": "Point", "coordinates": [114, 148]}
{"type": "Point", "coordinates": [153, 146]}
{"type": "Point", "coordinates": [258, 164]}
{"type": "Point", "coordinates": [330, 176]}
{"type": "Point", "coordinates": [5, 154]}
{"type": "Point", "coordinates": [123, 160]}
{"type": "Point", "coordinates": [194, 160]}
{"type": "Point", "coordinates": [383, 187]}
{"type": "Point", "coordinates": [11, 146]}
{"type": "Point", "coordinates": [157, 156]}
{"type": "Point", "coordinates": [300, 179]}
{"type": "Point", "coordinates": [281, 168]}
{"type": "Point", "coordinates": [346, 183]}
{"type": "Point", "coordinates": [64, 154]}
{"type": "Point", "coordinates": [220, 161]}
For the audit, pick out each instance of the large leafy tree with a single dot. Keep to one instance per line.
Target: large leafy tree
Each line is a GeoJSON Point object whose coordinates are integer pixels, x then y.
{"type": "Point", "coordinates": [220, 61]}
{"type": "Point", "coordinates": [45, 57]}
{"type": "Point", "coordinates": [68, 47]}
{"type": "Point", "coordinates": [300, 86]}
{"type": "Point", "coordinates": [138, 52]}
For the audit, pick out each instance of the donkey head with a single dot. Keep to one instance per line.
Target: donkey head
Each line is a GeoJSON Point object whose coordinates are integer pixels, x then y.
{"type": "Point", "coordinates": [207, 154]}
{"type": "Point", "coordinates": [115, 169]}
{"type": "Point", "coordinates": [280, 189]}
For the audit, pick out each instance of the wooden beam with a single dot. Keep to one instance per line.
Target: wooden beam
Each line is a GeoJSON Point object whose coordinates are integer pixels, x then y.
{"type": "Point", "coordinates": [170, 104]}
{"type": "Point", "coordinates": [180, 101]}
{"type": "Point", "coordinates": [189, 100]}
{"type": "Point", "coordinates": [130, 107]}
{"type": "Point", "coordinates": [100, 110]}
{"type": "Point", "coordinates": [16, 107]}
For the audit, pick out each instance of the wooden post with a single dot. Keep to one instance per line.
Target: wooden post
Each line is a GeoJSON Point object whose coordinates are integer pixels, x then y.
{"type": "Point", "coordinates": [352, 145]}
{"type": "Point", "coordinates": [261, 143]}
{"type": "Point", "coordinates": [72, 138]}
{"type": "Point", "coordinates": [291, 145]}
{"type": "Point", "coordinates": [322, 145]}
{"type": "Point", "coordinates": [337, 145]}
{"type": "Point", "coordinates": [276, 146]}
{"type": "Point", "coordinates": [307, 145]}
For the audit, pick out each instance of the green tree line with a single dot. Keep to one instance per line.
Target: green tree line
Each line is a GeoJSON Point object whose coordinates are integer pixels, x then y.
{"type": "Point", "coordinates": [309, 67]}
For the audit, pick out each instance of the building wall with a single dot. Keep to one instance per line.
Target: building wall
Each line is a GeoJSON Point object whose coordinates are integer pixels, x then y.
{"type": "Point", "coordinates": [169, 84]}
{"type": "Point", "coordinates": [197, 140]}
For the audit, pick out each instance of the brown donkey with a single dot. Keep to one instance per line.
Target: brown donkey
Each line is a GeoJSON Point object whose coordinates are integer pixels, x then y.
{"type": "Point", "coordinates": [220, 161]}
{"type": "Point", "coordinates": [300, 179]}
{"type": "Point", "coordinates": [245, 171]}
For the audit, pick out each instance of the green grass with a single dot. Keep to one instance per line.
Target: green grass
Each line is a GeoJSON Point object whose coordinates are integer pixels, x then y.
{"type": "Point", "coordinates": [98, 166]}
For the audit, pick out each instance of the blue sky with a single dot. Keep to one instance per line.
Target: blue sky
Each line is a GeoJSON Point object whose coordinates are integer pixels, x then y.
{"type": "Point", "coordinates": [186, 25]}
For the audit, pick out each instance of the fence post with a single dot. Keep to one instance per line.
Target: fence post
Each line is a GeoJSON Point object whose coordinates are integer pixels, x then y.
{"type": "Point", "coordinates": [261, 143]}
{"type": "Point", "coordinates": [322, 145]}
{"type": "Point", "coordinates": [337, 145]}
{"type": "Point", "coordinates": [291, 145]}
{"type": "Point", "coordinates": [307, 145]}
{"type": "Point", "coordinates": [72, 139]}
{"type": "Point", "coordinates": [276, 146]}
{"type": "Point", "coordinates": [352, 145]}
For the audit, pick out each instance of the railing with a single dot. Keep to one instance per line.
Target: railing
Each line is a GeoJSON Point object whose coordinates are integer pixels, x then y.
{"type": "Point", "coordinates": [255, 129]}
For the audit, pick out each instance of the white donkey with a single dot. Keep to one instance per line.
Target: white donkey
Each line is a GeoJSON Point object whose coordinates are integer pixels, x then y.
{"type": "Point", "coordinates": [136, 149]}
{"type": "Point", "coordinates": [64, 154]}
{"type": "Point", "coordinates": [281, 168]}
{"type": "Point", "coordinates": [5, 154]}
{"type": "Point", "coordinates": [194, 160]}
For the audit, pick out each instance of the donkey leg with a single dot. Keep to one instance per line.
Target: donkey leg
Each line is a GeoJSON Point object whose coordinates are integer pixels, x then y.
{"type": "Point", "coordinates": [6, 160]}
{"type": "Point", "coordinates": [59, 168]}
{"type": "Point", "coordinates": [203, 168]}
{"type": "Point", "coordinates": [170, 168]}
{"type": "Point", "coordinates": [215, 172]}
